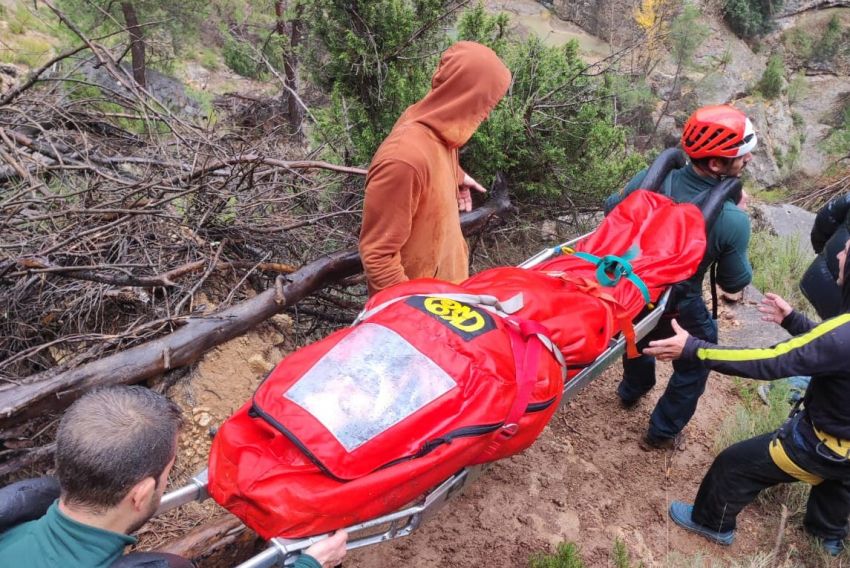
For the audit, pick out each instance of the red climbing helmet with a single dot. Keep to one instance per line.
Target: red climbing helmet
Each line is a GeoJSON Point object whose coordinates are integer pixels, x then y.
{"type": "Point", "coordinates": [719, 131]}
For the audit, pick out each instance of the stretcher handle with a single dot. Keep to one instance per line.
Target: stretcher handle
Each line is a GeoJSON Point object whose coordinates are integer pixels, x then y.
{"type": "Point", "coordinates": [194, 490]}
{"type": "Point", "coordinates": [283, 552]}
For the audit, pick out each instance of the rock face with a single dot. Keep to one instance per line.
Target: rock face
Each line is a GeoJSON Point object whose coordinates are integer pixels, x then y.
{"type": "Point", "coordinates": [791, 7]}
{"type": "Point", "coordinates": [610, 20]}
{"type": "Point", "coordinates": [725, 69]}
{"type": "Point", "coordinates": [170, 91]}
{"type": "Point", "coordinates": [785, 221]}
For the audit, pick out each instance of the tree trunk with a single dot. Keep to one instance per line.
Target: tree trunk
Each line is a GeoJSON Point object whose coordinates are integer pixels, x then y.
{"type": "Point", "coordinates": [290, 61]}
{"type": "Point", "coordinates": [137, 42]}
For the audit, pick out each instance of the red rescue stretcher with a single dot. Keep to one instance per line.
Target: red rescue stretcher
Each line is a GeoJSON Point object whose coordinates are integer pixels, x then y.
{"type": "Point", "coordinates": [406, 519]}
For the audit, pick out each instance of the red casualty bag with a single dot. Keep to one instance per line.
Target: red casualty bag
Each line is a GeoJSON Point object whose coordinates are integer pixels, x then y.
{"type": "Point", "coordinates": [434, 377]}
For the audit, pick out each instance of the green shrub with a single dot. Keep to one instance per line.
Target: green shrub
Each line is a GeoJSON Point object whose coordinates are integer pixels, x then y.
{"type": "Point", "coordinates": [209, 59]}
{"type": "Point", "coordinates": [827, 46]}
{"type": "Point", "coordinates": [31, 51]}
{"type": "Point", "coordinates": [566, 556]}
{"type": "Point", "coordinates": [799, 43]}
{"type": "Point", "coordinates": [750, 18]}
{"type": "Point", "coordinates": [770, 85]}
{"type": "Point", "coordinates": [620, 556]}
{"type": "Point", "coordinates": [778, 264]}
{"type": "Point", "coordinates": [239, 57]}
{"type": "Point", "coordinates": [370, 67]}
{"type": "Point", "coordinates": [838, 141]}
{"type": "Point", "coordinates": [797, 89]}
{"type": "Point", "coordinates": [553, 135]}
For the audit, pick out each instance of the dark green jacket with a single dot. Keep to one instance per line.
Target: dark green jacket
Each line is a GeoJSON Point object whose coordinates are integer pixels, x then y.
{"type": "Point", "coordinates": [55, 541]}
{"type": "Point", "coordinates": [728, 240]}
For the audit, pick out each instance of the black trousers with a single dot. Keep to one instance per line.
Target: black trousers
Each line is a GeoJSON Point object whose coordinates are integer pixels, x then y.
{"type": "Point", "coordinates": [687, 383]}
{"type": "Point", "coordinates": [742, 470]}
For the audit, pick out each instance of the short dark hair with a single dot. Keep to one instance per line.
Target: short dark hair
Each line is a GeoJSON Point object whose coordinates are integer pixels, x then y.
{"type": "Point", "coordinates": [111, 439]}
{"type": "Point", "coordinates": [702, 163]}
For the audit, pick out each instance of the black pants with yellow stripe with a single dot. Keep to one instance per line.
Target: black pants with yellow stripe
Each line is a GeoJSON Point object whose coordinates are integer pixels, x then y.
{"type": "Point", "coordinates": [793, 453]}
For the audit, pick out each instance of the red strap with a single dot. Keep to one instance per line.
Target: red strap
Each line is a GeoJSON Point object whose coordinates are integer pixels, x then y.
{"type": "Point", "coordinates": [593, 288]}
{"type": "Point", "coordinates": [526, 350]}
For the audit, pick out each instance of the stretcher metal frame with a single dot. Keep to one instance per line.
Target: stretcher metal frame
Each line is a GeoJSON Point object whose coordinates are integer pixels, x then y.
{"type": "Point", "coordinates": [283, 552]}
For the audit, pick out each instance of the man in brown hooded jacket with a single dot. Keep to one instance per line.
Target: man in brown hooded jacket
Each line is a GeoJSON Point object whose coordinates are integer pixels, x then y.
{"type": "Point", "coordinates": [415, 185]}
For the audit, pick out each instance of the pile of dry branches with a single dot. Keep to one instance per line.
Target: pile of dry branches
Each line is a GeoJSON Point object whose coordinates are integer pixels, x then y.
{"type": "Point", "coordinates": [112, 222]}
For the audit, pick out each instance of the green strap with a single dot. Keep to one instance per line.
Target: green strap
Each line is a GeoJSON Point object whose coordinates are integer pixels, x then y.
{"type": "Point", "coordinates": [610, 269]}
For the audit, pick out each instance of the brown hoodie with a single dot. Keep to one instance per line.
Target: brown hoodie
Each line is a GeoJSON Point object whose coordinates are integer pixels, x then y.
{"type": "Point", "coordinates": [411, 225]}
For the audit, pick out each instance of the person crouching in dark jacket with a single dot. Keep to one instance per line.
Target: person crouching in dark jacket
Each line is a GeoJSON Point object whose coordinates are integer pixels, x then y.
{"type": "Point", "coordinates": [812, 446]}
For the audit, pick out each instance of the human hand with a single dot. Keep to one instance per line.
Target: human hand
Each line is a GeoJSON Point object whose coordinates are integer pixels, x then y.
{"type": "Point", "coordinates": [670, 348]}
{"type": "Point", "coordinates": [330, 551]}
{"type": "Point", "coordinates": [774, 308]}
{"type": "Point", "coordinates": [464, 196]}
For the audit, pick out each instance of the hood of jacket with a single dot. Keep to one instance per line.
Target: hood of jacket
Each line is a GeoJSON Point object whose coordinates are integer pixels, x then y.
{"type": "Point", "coordinates": [468, 83]}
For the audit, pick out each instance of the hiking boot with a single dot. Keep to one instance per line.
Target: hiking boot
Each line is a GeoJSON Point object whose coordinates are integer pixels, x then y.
{"type": "Point", "coordinates": [681, 513]}
{"type": "Point", "coordinates": [832, 546]}
{"type": "Point", "coordinates": [649, 442]}
{"type": "Point", "coordinates": [628, 403]}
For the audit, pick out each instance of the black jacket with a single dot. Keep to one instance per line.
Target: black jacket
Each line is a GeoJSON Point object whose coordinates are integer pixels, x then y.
{"type": "Point", "coordinates": [820, 350]}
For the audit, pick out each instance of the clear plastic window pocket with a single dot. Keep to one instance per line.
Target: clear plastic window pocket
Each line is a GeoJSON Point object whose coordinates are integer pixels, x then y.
{"type": "Point", "coordinates": [367, 383]}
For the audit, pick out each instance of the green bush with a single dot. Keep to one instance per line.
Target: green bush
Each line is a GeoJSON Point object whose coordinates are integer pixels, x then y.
{"type": "Point", "coordinates": [553, 135]}
{"type": "Point", "coordinates": [799, 42]}
{"type": "Point", "coordinates": [827, 46]}
{"type": "Point", "coordinates": [838, 141]}
{"type": "Point", "coordinates": [797, 89]}
{"type": "Point", "coordinates": [751, 18]}
{"type": "Point", "coordinates": [770, 85]}
{"type": "Point", "coordinates": [566, 556]}
{"type": "Point", "coordinates": [239, 57]}
{"type": "Point", "coordinates": [366, 60]}
{"type": "Point", "coordinates": [778, 264]}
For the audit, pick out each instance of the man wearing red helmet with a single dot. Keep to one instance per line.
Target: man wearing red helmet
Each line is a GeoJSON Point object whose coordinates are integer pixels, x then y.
{"type": "Point", "coordinates": [719, 141]}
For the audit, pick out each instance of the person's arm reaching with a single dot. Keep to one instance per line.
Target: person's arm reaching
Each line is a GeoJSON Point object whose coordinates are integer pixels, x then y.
{"type": "Point", "coordinates": [392, 194]}
{"type": "Point", "coordinates": [822, 350]}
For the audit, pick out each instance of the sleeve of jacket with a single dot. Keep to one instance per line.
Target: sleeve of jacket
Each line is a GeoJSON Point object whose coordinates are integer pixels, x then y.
{"type": "Point", "coordinates": [796, 323]}
{"type": "Point", "coordinates": [733, 264]}
{"type": "Point", "coordinates": [306, 561]}
{"type": "Point", "coordinates": [822, 350]}
{"type": "Point", "coordinates": [392, 194]}
{"type": "Point", "coordinates": [615, 198]}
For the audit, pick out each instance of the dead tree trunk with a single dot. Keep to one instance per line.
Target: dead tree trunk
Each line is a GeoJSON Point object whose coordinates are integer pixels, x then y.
{"type": "Point", "coordinates": [291, 42]}
{"type": "Point", "coordinates": [137, 42]}
{"type": "Point", "coordinates": [40, 394]}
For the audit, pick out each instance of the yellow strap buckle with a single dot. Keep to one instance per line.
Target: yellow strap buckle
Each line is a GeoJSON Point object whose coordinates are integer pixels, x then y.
{"type": "Point", "coordinates": [838, 446]}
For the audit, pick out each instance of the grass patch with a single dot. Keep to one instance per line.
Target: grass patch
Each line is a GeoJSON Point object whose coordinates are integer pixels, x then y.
{"type": "Point", "coordinates": [31, 51]}
{"type": "Point", "coordinates": [778, 264]}
{"type": "Point", "coordinates": [751, 417]}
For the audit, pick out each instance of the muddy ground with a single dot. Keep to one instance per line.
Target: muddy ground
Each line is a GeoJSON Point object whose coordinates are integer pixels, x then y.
{"type": "Point", "coordinates": [585, 480]}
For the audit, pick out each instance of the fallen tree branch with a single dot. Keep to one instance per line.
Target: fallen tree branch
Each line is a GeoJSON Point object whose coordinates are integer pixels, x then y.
{"type": "Point", "coordinates": [199, 334]}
